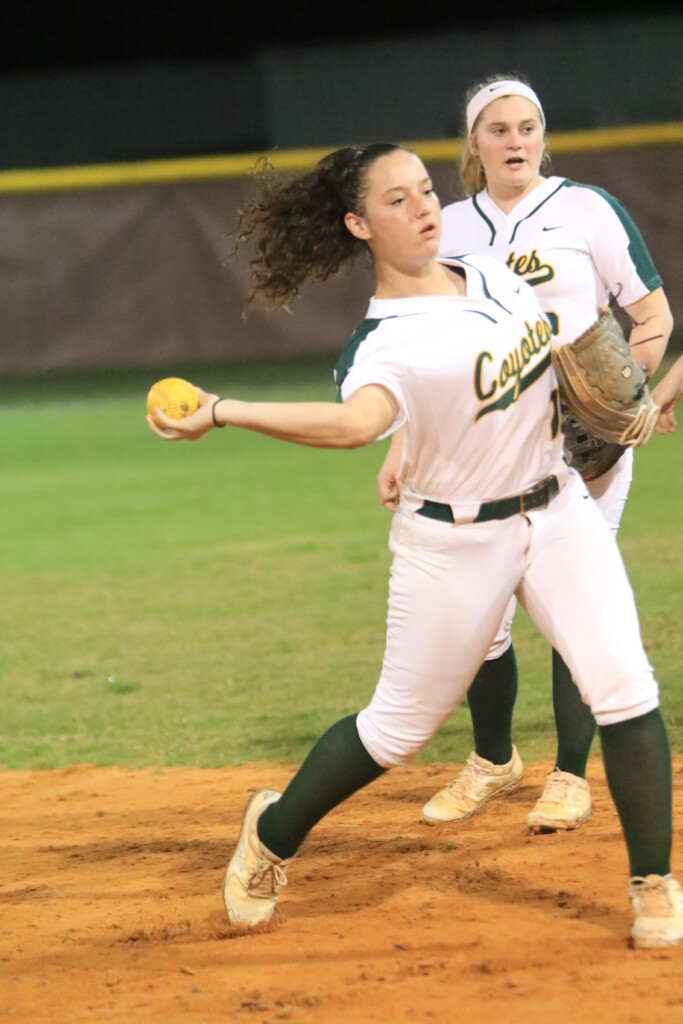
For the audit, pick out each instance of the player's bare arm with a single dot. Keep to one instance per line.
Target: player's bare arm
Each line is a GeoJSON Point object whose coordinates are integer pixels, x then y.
{"type": "Point", "coordinates": [652, 326]}
{"type": "Point", "coordinates": [358, 421]}
{"type": "Point", "coordinates": [666, 395]}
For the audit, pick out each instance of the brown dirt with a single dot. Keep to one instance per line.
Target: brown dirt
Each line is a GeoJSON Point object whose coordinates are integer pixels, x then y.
{"type": "Point", "coordinates": [111, 909]}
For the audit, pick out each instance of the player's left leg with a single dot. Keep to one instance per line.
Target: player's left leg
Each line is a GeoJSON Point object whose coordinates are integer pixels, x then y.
{"type": "Point", "coordinates": [577, 593]}
{"type": "Point", "coordinates": [638, 768]}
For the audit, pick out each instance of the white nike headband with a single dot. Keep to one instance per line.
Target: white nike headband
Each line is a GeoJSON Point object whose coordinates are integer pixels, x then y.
{"type": "Point", "coordinates": [491, 92]}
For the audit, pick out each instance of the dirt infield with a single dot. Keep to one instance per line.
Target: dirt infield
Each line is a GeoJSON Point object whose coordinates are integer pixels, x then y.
{"type": "Point", "coordinates": [111, 909]}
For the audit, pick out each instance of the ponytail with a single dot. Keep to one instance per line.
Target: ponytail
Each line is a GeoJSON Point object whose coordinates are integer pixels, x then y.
{"type": "Point", "coordinates": [297, 224]}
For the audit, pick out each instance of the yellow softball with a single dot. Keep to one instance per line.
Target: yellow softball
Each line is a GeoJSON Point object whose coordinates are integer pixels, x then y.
{"type": "Point", "coordinates": [175, 397]}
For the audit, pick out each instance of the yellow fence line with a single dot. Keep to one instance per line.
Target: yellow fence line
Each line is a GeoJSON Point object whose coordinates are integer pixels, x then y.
{"type": "Point", "coordinates": [212, 167]}
{"type": "Point", "coordinates": [586, 141]}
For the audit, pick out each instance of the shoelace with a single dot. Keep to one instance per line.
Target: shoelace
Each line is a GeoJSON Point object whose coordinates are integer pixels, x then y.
{"type": "Point", "coordinates": [556, 789]}
{"type": "Point", "coordinates": [657, 898]}
{"type": "Point", "coordinates": [468, 775]}
{"type": "Point", "coordinates": [267, 879]}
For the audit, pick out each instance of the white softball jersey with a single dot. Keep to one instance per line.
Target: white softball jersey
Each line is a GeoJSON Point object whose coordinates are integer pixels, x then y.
{"type": "Point", "coordinates": [473, 381]}
{"type": "Point", "coordinates": [477, 401]}
{"type": "Point", "coordinates": [574, 244]}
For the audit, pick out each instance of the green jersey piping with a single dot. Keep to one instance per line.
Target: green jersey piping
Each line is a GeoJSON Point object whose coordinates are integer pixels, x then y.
{"type": "Point", "coordinates": [348, 355]}
{"type": "Point", "coordinates": [483, 216]}
{"type": "Point", "coordinates": [637, 250]}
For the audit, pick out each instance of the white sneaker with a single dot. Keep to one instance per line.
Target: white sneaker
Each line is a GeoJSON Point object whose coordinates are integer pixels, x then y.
{"type": "Point", "coordinates": [564, 804]}
{"type": "Point", "coordinates": [255, 875]}
{"type": "Point", "coordinates": [479, 781]}
{"type": "Point", "coordinates": [657, 903]}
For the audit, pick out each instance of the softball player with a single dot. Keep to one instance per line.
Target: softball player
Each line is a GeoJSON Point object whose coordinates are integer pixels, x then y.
{"type": "Point", "coordinates": [456, 353]}
{"type": "Point", "coordinates": [577, 247]}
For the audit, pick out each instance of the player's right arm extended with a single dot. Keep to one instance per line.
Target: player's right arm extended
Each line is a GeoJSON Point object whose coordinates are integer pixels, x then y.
{"type": "Point", "coordinates": [361, 419]}
{"type": "Point", "coordinates": [358, 421]}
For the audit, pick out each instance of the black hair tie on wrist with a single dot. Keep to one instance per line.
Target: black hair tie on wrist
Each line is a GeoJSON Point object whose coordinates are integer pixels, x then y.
{"type": "Point", "coordinates": [213, 414]}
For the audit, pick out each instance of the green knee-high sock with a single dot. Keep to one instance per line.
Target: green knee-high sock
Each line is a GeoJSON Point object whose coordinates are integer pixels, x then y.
{"type": "Point", "coordinates": [573, 720]}
{"type": "Point", "coordinates": [337, 766]}
{"type": "Point", "coordinates": [491, 700]}
{"type": "Point", "coordinates": [638, 769]}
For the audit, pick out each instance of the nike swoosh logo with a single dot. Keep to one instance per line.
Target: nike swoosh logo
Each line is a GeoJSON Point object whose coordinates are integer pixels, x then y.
{"type": "Point", "coordinates": [555, 228]}
{"type": "Point", "coordinates": [492, 88]}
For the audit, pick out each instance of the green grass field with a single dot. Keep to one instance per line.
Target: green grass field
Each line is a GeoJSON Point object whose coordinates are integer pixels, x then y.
{"type": "Point", "coordinates": [222, 602]}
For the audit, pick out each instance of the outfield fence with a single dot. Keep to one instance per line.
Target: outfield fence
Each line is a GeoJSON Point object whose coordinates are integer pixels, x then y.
{"type": "Point", "coordinates": [128, 264]}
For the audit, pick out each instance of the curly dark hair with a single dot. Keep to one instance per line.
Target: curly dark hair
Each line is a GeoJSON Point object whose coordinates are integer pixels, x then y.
{"type": "Point", "coordinates": [297, 224]}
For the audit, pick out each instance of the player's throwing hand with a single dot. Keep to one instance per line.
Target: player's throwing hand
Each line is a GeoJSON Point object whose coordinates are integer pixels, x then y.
{"type": "Point", "coordinates": [190, 428]}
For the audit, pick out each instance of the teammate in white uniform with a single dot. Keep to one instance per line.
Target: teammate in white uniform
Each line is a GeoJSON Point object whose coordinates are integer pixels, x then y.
{"type": "Point", "coordinates": [457, 354]}
{"type": "Point", "coordinates": [577, 247]}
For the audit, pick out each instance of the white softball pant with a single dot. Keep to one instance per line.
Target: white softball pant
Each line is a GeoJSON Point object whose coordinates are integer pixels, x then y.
{"type": "Point", "coordinates": [448, 589]}
{"type": "Point", "coordinates": [609, 493]}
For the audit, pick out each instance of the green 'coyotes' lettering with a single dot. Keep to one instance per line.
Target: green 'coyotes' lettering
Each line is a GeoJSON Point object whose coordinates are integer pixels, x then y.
{"type": "Point", "coordinates": [530, 267]}
{"type": "Point", "coordinates": [512, 368]}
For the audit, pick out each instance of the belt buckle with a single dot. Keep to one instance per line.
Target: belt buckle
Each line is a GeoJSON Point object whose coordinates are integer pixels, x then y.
{"type": "Point", "coordinates": [542, 492]}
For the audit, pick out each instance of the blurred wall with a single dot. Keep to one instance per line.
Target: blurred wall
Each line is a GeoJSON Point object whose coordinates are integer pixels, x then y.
{"type": "Point", "coordinates": [114, 276]}
{"type": "Point", "coordinates": [602, 72]}
{"type": "Point", "coordinates": [139, 275]}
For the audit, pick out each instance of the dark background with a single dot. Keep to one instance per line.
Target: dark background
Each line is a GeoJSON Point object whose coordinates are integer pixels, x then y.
{"type": "Point", "coordinates": [109, 83]}
{"type": "Point", "coordinates": [49, 35]}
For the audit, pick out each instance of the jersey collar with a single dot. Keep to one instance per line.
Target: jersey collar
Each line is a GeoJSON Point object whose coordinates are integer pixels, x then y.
{"type": "Point", "coordinates": [507, 221]}
{"type": "Point", "coordinates": [379, 309]}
